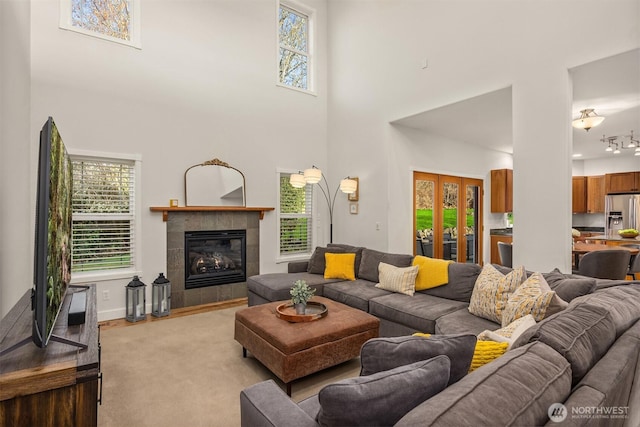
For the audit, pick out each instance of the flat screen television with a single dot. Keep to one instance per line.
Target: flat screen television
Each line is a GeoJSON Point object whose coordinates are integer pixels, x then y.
{"type": "Point", "coordinates": [52, 250]}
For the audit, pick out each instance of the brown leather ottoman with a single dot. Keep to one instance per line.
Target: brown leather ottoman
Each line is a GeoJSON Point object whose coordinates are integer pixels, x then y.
{"type": "Point", "coordinates": [294, 350]}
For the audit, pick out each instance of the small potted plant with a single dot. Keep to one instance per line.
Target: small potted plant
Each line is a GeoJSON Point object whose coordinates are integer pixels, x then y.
{"type": "Point", "coordinates": [300, 294]}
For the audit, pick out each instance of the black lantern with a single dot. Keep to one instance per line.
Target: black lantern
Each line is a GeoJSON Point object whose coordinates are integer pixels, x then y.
{"type": "Point", "coordinates": [136, 300]}
{"type": "Point", "coordinates": [161, 296]}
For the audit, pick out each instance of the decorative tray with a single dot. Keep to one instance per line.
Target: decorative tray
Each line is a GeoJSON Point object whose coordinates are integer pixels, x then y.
{"type": "Point", "coordinates": [314, 311]}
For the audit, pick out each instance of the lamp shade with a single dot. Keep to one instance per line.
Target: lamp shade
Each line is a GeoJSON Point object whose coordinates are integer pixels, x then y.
{"type": "Point", "coordinates": [588, 119]}
{"type": "Point", "coordinates": [348, 186]}
{"type": "Point", "coordinates": [297, 181]}
{"type": "Point", "coordinates": [312, 175]}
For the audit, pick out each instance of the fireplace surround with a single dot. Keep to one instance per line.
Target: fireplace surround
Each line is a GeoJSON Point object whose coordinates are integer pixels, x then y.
{"type": "Point", "coordinates": [180, 220]}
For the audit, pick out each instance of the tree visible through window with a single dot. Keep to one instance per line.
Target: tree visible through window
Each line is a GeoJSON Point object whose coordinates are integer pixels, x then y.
{"type": "Point", "coordinates": [108, 17]}
{"type": "Point", "coordinates": [294, 53]}
{"type": "Point", "coordinates": [103, 215]}
{"type": "Point", "coordinates": [295, 213]}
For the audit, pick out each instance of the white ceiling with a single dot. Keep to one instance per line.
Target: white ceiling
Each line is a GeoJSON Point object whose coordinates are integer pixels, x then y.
{"type": "Point", "coordinates": [611, 86]}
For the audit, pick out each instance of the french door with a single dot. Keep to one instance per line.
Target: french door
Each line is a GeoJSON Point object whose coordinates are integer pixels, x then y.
{"type": "Point", "coordinates": [447, 217]}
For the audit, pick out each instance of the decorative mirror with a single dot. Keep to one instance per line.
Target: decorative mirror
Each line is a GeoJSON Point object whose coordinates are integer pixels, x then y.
{"type": "Point", "coordinates": [214, 183]}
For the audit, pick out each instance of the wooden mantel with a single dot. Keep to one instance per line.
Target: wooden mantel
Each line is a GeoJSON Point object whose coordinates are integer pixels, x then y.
{"type": "Point", "coordinates": [166, 209]}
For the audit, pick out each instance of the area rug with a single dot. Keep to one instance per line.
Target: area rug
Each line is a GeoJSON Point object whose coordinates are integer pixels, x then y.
{"type": "Point", "coordinates": [186, 371]}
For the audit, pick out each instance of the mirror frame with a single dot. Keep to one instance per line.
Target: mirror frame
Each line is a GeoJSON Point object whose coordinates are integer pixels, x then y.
{"type": "Point", "coordinates": [216, 162]}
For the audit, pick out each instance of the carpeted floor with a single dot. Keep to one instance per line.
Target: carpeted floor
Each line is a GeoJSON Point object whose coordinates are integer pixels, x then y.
{"type": "Point", "coordinates": [186, 371]}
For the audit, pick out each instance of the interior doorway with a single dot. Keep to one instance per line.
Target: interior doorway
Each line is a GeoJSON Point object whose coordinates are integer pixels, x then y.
{"type": "Point", "coordinates": [447, 217]}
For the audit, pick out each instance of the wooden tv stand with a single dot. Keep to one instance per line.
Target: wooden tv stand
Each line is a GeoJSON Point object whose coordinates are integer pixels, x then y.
{"type": "Point", "coordinates": [54, 386]}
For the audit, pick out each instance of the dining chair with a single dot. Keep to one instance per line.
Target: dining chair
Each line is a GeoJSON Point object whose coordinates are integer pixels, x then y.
{"type": "Point", "coordinates": [505, 250]}
{"type": "Point", "coordinates": [610, 264]}
{"type": "Point", "coordinates": [634, 267]}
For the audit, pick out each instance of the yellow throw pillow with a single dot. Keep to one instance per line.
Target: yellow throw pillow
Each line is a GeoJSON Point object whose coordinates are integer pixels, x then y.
{"type": "Point", "coordinates": [533, 296]}
{"type": "Point", "coordinates": [340, 266]}
{"type": "Point", "coordinates": [487, 351]}
{"type": "Point", "coordinates": [432, 272]}
{"type": "Point", "coordinates": [492, 291]}
{"type": "Point", "coordinates": [397, 279]}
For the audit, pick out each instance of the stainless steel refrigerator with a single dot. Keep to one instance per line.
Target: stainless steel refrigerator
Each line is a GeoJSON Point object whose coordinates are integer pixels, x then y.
{"type": "Point", "coordinates": [622, 211]}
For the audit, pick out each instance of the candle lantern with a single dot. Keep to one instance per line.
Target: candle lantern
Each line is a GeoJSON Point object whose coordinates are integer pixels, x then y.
{"type": "Point", "coordinates": [136, 300]}
{"type": "Point", "coordinates": [161, 296]}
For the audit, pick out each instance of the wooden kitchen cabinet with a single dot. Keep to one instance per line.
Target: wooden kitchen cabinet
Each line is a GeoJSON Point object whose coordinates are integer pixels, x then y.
{"type": "Point", "coordinates": [495, 238]}
{"type": "Point", "coordinates": [579, 194]}
{"type": "Point", "coordinates": [595, 194]}
{"type": "Point", "coordinates": [502, 190]}
{"type": "Point", "coordinates": [623, 182]}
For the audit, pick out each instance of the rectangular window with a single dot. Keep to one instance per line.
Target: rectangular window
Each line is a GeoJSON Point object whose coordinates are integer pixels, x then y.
{"type": "Point", "coordinates": [295, 218]}
{"type": "Point", "coordinates": [104, 215]}
{"type": "Point", "coordinates": [114, 20]}
{"type": "Point", "coordinates": [295, 65]}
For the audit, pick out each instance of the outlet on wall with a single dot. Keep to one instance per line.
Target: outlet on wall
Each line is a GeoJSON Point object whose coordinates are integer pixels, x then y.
{"type": "Point", "coordinates": [105, 295]}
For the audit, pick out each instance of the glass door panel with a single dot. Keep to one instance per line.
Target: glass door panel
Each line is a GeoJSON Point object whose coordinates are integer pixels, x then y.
{"type": "Point", "coordinates": [449, 211]}
{"type": "Point", "coordinates": [471, 225]}
{"type": "Point", "coordinates": [424, 198]}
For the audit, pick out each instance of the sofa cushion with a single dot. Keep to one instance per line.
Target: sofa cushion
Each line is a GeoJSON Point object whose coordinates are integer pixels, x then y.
{"type": "Point", "coordinates": [509, 333]}
{"type": "Point", "coordinates": [581, 334]}
{"type": "Point", "coordinates": [382, 354]}
{"type": "Point", "coordinates": [382, 398]}
{"type": "Point", "coordinates": [317, 263]}
{"type": "Point", "coordinates": [370, 260]}
{"type": "Point", "coordinates": [534, 297]}
{"type": "Point", "coordinates": [487, 351]}
{"type": "Point", "coordinates": [462, 278]}
{"type": "Point", "coordinates": [492, 290]}
{"type": "Point", "coordinates": [569, 288]}
{"type": "Point", "coordinates": [622, 303]}
{"type": "Point", "coordinates": [340, 266]}
{"type": "Point", "coordinates": [516, 389]}
{"type": "Point", "coordinates": [461, 321]}
{"type": "Point", "coordinates": [432, 272]}
{"type": "Point", "coordinates": [418, 312]}
{"type": "Point", "coordinates": [397, 279]}
{"type": "Point", "coordinates": [355, 293]}
{"type": "Point", "coordinates": [276, 286]}
{"type": "Point", "coordinates": [350, 249]}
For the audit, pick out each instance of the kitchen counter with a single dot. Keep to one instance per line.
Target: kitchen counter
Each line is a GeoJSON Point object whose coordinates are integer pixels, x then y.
{"type": "Point", "coordinates": [615, 239]}
{"type": "Point", "coordinates": [501, 231]}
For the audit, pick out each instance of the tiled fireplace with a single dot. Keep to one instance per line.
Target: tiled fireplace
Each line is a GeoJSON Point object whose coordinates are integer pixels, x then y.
{"type": "Point", "coordinates": [220, 259]}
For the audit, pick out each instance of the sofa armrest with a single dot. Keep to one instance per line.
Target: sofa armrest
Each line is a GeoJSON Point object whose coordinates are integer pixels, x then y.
{"type": "Point", "coordinates": [265, 404]}
{"type": "Point", "coordinates": [298, 267]}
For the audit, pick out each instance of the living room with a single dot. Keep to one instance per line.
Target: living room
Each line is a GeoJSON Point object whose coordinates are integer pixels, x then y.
{"type": "Point", "coordinates": [194, 92]}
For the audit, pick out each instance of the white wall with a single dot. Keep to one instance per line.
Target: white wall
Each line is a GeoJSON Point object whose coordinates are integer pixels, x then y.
{"type": "Point", "coordinates": [202, 86]}
{"type": "Point", "coordinates": [472, 48]}
{"type": "Point", "coordinates": [16, 208]}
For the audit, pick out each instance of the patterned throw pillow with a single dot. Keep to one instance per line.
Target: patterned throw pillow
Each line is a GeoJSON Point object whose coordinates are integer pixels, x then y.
{"type": "Point", "coordinates": [509, 333]}
{"type": "Point", "coordinates": [397, 279]}
{"type": "Point", "coordinates": [487, 351]}
{"type": "Point", "coordinates": [534, 297]}
{"type": "Point", "coordinates": [492, 290]}
{"type": "Point", "coordinates": [340, 266]}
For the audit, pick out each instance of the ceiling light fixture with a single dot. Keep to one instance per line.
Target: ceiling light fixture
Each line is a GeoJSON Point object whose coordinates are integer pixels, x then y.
{"type": "Point", "coordinates": [588, 119]}
{"type": "Point", "coordinates": [616, 143]}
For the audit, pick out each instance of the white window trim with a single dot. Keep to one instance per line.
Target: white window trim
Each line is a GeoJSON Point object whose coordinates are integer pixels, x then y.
{"type": "Point", "coordinates": [125, 273]}
{"type": "Point", "coordinates": [135, 42]}
{"type": "Point", "coordinates": [311, 65]}
{"type": "Point", "coordinates": [297, 257]}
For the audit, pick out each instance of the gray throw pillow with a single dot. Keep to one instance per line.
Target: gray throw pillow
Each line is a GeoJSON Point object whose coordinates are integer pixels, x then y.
{"type": "Point", "coordinates": [317, 262]}
{"type": "Point", "coordinates": [382, 354]}
{"type": "Point", "coordinates": [462, 279]}
{"type": "Point", "coordinates": [370, 259]}
{"type": "Point", "coordinates": [383, 398]}
{"type": "Point", "coordinates": [569, 288]}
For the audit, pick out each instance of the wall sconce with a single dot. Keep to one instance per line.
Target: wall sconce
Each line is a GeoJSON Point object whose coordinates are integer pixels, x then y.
{"type": "Point", "coordinates": [314, 175]}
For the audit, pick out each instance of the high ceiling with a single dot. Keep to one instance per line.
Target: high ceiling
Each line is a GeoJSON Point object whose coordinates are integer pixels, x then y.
{"type": "Point", "coordinates": [611, 86]}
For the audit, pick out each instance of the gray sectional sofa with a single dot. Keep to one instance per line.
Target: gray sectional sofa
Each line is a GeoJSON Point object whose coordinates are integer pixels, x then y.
{"type": "Point", "coordinates": [582, 362]}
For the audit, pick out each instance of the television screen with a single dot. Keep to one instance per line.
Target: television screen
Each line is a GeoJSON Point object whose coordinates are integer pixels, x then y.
{"type": "Point", "coordinates": [52, 252]}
